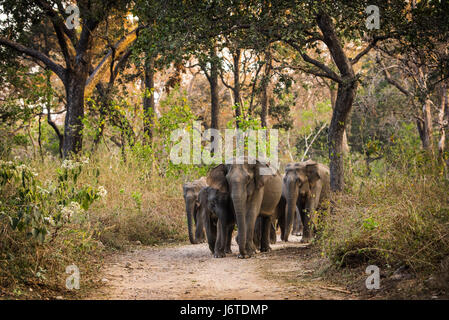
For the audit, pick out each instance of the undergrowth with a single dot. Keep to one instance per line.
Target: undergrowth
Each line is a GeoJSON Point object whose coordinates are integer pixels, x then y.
{"type": "Point", "coordinates": [398, 218]}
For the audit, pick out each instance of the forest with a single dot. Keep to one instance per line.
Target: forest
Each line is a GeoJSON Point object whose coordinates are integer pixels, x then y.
{"type": "Point", "coordinates": [347, 99]}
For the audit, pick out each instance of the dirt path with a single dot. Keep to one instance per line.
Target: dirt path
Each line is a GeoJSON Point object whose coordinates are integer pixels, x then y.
{"type": "Point", "coordinates": [190, 272]}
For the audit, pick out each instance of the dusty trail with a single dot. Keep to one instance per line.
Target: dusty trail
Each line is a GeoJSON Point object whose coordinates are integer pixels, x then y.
{"type": "Point", "coordinates": [190, 272]}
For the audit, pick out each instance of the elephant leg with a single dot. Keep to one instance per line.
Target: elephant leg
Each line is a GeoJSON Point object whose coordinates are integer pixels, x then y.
{"type": "Point", "coordinates": [257, 232]}
{"type": "Point", "coordinates": [265, 237]}
{"type": "Point", "coordinates": [250, 246]}
{"type": "Point", "coordinates": [219, 251]}
{"type": "Point", "coordinates": [306, 219]}
{"type": "Point", "coordinates": [298, 228]}
{"type": "Point", "coordinates": [280, 214]}
{"type": "Point", "coordinates": [295, 223]}
{"type": "Point", "coordinates": [251, 217]}
{"type": "Point", "coordinates": [211, 231]}
{"type": "Point", "coordinates": [199, 233]}
{"type": "Point", "coordinates": [272, 232]}
{"type": "Point", "coordinates": [229, 238]}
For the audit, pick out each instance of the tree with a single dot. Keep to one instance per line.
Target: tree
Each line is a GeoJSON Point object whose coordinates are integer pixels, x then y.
{"type": "Point", "coordinates": [76, 73]}
{"type": "Point", "coordinates": [305, 25]}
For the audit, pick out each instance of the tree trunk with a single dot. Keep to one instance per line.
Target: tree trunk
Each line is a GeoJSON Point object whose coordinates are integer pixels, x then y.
{"type": "Point", "coordinates": [333, 95]}
{"type": "Point", "coordinates": [345, 97]}
{"type": "Point", "coordinates": [265, 83]}
{"type": "Point", "coordinates": [213, 81]}
{"type": "Point", "coordinates": [236, 89]}
{"type": "Point", "coordinates": [427, 135]}
{"type": "Point", "coordinates": [347, 89]}
{"type": "Point", "coordinates": [442, 122]}
{"type": "Point", "coordinates": [73, 127]}
{"type": "Point", "coordinates": [148, 100]}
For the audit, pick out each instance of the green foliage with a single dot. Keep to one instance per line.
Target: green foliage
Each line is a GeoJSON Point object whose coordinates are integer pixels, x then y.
{"type": "Point", "coordinates": [245, 120]}
{"type": "Point", "coordinates": [155, 157]}
{"type": "Point", "coordinates": [137, 197]}
{"type": "Point", "coordinates": [37, 208]}
{"type": "Point", "coordinates": [280, 111]}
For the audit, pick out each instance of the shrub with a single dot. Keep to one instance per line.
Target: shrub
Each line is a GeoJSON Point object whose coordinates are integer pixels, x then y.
{"type": "Point", "coordinates": [44, 224]}
{"type": "Point", "coordinates": [396, 219]}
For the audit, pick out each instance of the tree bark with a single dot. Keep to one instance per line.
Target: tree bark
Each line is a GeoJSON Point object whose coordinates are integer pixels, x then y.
{"type": "Point", "coordinates": [442, 122]}
{"type": "Point", "coordinates": [427, 134]}
{"type": "Point", "coordinates": [214, 96]}
{"type": "Point", "coordinates": [345, 97]}
{"type": "Point", "coordinates": [236, 88]}
{"type": "Point", "coordinates": [264, 93]}
{"type": "Point", "coordinates": [73, 126]}
{"type": "Point", "coordinates": [148, 100]}
{"type": "Point", "coordinates": [333, 96]}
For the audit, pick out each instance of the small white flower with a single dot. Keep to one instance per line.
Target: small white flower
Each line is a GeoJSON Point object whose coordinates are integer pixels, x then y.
{"type": "Point", "coordinates": [66, 213]}
{"type": "Point", "coordinates": [102, 191]}
{"type": "Point", "coordinates": [50, 220]}
{"type": "Point", "coordinates": [72, 209]}
{"type": "Point", "coordinates": [67, 164]}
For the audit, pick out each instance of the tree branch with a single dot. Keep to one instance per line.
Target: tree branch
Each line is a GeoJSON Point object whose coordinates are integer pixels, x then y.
{"type": "Point", "coordinates": [53, 66]}
{"type": "Point", "coordinates": [328, 73]}
{"type": "Point", "coordinates": [119, 48]}
{"type": "Point", "coordinates": [371, 45]}
{"type": "Point", "coordinates": [391, 80]}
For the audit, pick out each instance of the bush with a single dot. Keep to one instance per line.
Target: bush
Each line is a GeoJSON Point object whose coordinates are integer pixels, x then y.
{"type": "Point", "coordinates": [396, 219]}
{"type": "Point", "coordinates": [44, 225]}
{"type": "Point", "coordinates": [54, 217]}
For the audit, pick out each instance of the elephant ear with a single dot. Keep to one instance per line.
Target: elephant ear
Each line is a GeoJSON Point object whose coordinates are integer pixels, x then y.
{"type": "Point", "coordinates": [312, 171]}
{"type": "Point", "coordinates": [216, 178]}
{"type": "Point", "coordinates": [260, 174]}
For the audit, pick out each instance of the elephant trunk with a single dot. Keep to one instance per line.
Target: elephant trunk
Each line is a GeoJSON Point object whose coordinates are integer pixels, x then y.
{"type": "Point", "coordinates": [292, 197]}
{"type": "Point", "coordinates": [190, 207]}
{"type": "Point", "coordinates": [239, 202]}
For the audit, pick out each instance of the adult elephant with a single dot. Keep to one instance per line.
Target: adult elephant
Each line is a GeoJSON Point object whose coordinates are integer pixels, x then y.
{"type": "Point", "coordinates": [191, 191]}
{"type": "Point", "coordinates": [216, 207]}
{"type": "Point", "coordinates": [253, 193]}
{"type": "Point", "coordinates": [306, 186]}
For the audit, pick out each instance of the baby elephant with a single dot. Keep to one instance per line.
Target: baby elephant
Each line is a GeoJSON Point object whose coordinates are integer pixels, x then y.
{"type": "Point", "coordinates": [191, 191]}
{"type": "Point", "coordinates": [219, 220]}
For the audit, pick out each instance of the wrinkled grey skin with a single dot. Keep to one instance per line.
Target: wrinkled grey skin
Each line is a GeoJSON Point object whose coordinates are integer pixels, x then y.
{"type": "Point", "coordinates": [297, 223]}
{"type": "Point", "coordinates": [216, 207]}
{"type": "Point", "coordinates": [306, 186]}
{"type": "Point", "coordinates": [258, 232]}
{"type": "Point", "coordinates": [191, 191]}
{"type": "Point", "coordinates": [252, 195]}
{"type": "Point", "coordinates": [281, 214]}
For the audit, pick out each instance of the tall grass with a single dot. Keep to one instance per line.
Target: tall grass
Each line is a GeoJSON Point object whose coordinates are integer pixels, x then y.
{"type": "Point", "coordinates": [143, 204]}
{"type": "Point", "coordinates": [399, 217]}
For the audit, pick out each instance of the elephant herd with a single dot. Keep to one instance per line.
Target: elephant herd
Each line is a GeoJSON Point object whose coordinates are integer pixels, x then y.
{"type": "Point", "coordinates": [242, 193]}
